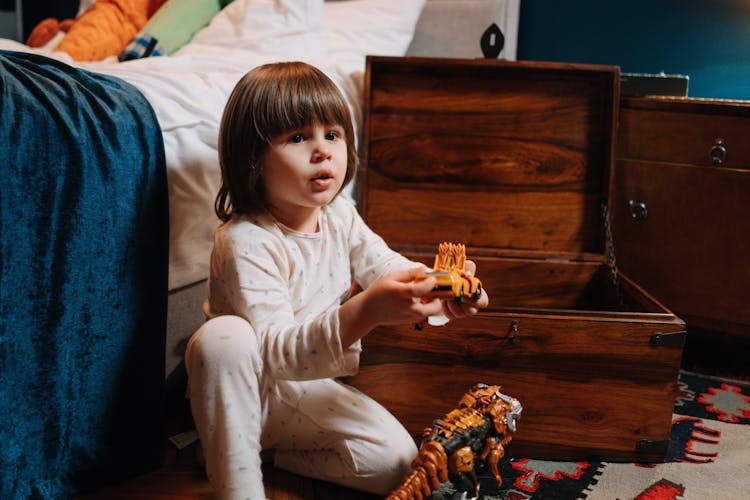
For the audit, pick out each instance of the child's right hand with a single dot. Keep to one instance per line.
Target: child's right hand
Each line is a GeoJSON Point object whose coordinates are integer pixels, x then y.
{"type": "Point", "coordinates": [394, 299]}
{"type": "Point", "coordinates": [398, 298]}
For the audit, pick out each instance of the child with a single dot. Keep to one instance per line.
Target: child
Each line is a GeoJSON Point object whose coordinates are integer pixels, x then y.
{"type": "Point", "coordinates": [281, 321]}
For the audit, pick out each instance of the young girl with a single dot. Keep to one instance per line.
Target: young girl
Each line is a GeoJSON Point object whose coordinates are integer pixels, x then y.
{"type": "Point", "coordinates": [281, 321]}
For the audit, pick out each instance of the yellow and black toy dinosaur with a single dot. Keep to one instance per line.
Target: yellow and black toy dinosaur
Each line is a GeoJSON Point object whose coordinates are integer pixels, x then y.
{"type": "Point", "coordinates": [478, 429]}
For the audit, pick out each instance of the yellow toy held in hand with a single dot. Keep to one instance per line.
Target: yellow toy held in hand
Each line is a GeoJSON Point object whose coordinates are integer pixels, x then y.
{"type": "Point", "coordinates": [451, 279]}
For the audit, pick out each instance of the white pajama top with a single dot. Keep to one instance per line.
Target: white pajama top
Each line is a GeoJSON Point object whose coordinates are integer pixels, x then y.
{"type": "Point", "coordinates": [289, 285]}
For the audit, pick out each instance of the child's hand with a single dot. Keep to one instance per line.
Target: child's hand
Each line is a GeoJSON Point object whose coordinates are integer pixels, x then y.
{"type": "Point", "coordinates": [397, 298]}
{"type": "Point", "coordinates": [467, 307]}
{"type": "Point", "coordinates": [394, 299]}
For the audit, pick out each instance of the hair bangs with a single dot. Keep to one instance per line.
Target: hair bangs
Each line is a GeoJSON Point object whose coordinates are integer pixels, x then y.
{"type": "Point", "coordinates": [296, 103]}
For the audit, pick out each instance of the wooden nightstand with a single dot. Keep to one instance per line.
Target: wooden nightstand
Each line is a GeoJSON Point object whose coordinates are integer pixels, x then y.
{"type": "Point", "coordinates": [681, 207]}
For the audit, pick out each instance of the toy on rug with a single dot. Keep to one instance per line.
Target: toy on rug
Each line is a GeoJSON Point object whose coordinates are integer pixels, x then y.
{"type": "Point", "coordinates": [449, 271]}
{"type": "Point", "coordinates": [478, 429]}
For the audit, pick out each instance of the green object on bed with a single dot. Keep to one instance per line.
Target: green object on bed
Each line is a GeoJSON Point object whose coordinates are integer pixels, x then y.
{"type": "Point", "coordinates": [175, 23]}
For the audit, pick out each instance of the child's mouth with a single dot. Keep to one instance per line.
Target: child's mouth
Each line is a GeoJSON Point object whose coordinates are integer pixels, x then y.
{"type": "Point", "coordinates": [323, 180]}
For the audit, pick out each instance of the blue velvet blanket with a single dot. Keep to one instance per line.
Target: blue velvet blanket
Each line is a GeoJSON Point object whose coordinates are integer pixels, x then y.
{"type": "Point", "coordinates": [83, 279]}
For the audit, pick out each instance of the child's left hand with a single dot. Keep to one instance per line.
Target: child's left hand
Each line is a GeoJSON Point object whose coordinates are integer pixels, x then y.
{"type": "Point", "coordinates": [453, 309]}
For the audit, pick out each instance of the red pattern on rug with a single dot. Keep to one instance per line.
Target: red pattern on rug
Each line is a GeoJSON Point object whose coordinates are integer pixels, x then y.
{"type": "Point", "coordinates": [709, 448]}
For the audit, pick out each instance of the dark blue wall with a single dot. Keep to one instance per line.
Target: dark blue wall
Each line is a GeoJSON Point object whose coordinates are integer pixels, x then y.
{"type": "Point", "coordinates": [708, 40]}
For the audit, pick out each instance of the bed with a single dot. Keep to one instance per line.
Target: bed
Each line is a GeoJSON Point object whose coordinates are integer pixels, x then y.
{"type": "Point", "coordinates": [185, 92]}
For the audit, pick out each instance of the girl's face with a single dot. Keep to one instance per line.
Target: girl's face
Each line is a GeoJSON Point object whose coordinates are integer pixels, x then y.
{"type": "Point", "coordinates": [303, 170]}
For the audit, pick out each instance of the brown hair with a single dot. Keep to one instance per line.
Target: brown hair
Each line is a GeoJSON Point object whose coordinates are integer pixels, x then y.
{"type": "Point", "coordinates": [268, 101]}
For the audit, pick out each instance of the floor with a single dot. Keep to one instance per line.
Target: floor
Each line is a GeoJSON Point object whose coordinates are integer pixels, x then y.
{"type": "Point", "coordinates": [187, 482]}
{"type": "Point", "coordinates": [180, 478]}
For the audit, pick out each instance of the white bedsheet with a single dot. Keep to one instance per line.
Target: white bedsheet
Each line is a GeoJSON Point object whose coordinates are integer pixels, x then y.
{"type": "Point", "coordinates": [189, 104]}
{"type": "Point", "coordinates": [189, 89]}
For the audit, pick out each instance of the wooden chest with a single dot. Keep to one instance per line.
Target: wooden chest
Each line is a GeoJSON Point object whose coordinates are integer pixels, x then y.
{"type": "Point", "coordinates": [513, 159]}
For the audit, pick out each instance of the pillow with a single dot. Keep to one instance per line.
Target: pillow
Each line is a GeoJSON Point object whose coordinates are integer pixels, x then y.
{"type": "Point", "coordinates": [105, 28]}
{"type": "Point", "coordinates": [289, 29]}
{"type": "Point", "coordinates": [171, 27]}
{"type": "Point", "coordinates": [83, 6]}
{"type": "Point", "coordinates": [448, 28]}
{"type": "Point", "coordinates": [356, 28]}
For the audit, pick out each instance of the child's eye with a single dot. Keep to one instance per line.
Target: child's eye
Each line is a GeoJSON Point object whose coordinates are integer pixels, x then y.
{"type": "Point", "coordinates": [333, 135]}
{"type": "Point", "coordinates": [296, 138]}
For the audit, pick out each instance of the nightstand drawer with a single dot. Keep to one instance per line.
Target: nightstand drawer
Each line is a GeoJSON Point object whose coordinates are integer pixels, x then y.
{"type": "Point", "coordinates": [687, 240]}
{"type": "Point", "coordinates": [703, 133]}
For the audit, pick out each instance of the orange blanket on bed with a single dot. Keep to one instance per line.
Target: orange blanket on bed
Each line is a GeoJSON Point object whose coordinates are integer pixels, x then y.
{"type": "Point", "coordinates": [106, 27]}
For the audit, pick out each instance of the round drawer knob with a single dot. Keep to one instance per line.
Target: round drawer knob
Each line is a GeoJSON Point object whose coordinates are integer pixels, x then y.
{"type": "Point", "coordinates": [718, 153]}
{"type": "Point", "coordinates": [637, 209]}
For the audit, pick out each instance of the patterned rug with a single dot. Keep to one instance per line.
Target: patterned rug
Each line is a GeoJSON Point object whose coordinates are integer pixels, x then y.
{"type": "Point", "coordinates": [708, 457]}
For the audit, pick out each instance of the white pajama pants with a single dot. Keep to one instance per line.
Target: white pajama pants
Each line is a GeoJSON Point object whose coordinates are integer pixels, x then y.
{"type": "Point", "coordinates": [319, 428]}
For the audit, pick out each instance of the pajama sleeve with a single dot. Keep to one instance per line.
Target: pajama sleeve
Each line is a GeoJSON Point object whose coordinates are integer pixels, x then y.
{"type": "Point", "coordinates": [370, 256]}
{"type": "Point", "coordinates": [250, 274]}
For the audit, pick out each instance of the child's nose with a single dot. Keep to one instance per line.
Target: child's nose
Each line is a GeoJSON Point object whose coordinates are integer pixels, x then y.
{"type": "Point", "coordinates": [322, 152]}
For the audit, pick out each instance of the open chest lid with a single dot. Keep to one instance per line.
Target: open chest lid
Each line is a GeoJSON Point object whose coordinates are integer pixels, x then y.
{"type": "Point", "coordinates": [510, 158]}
